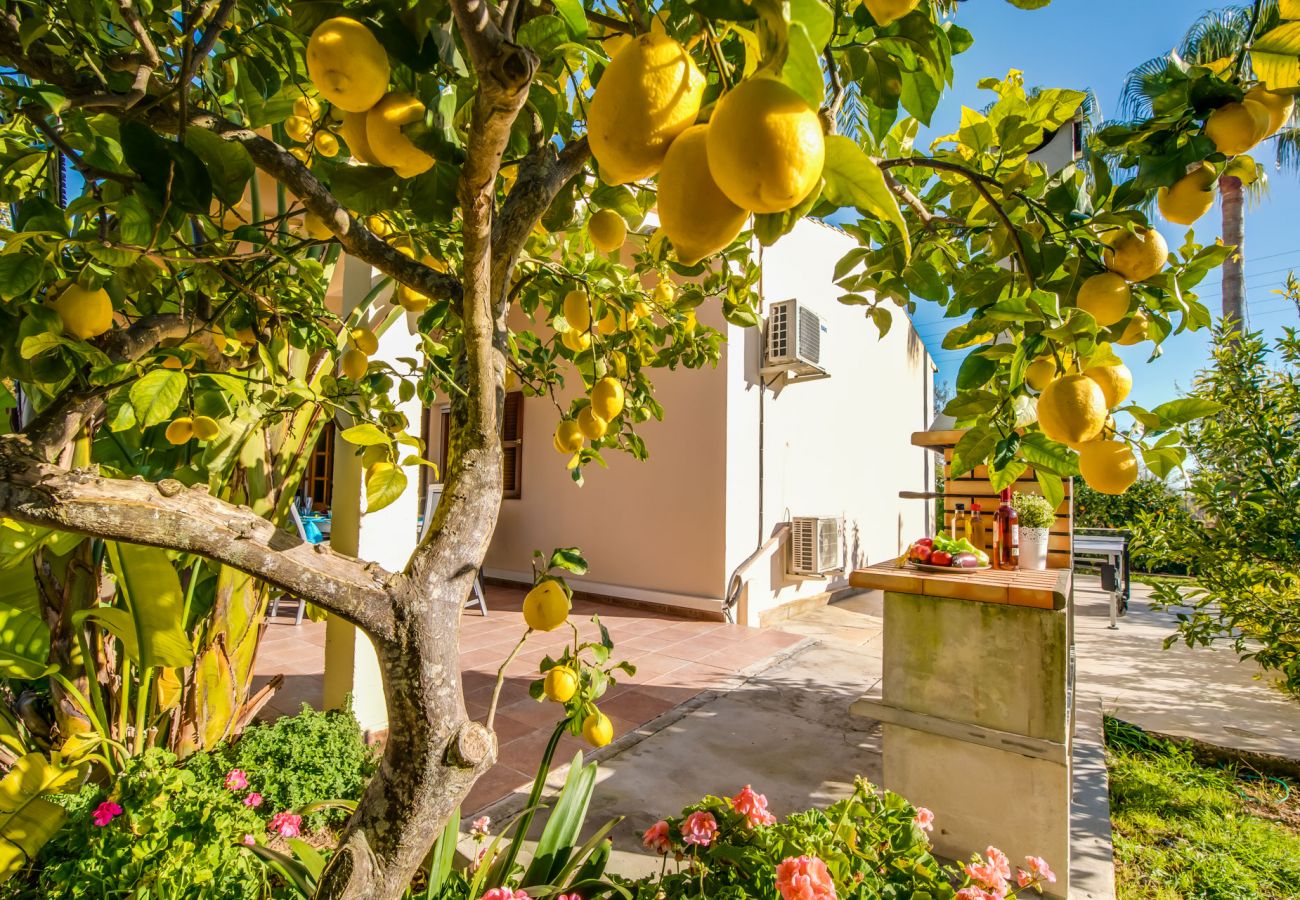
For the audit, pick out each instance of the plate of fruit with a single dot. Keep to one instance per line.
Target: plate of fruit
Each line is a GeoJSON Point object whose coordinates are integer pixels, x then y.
{"type": "Point", "coordinates": [943, 554]}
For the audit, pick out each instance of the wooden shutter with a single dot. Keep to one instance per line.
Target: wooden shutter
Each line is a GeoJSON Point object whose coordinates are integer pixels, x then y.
{"type": "Point", "coordinates": [512, 445]}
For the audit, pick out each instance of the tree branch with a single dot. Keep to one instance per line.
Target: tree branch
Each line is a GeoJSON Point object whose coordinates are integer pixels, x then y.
{"type": "Point", "coordinates": [171, 516]}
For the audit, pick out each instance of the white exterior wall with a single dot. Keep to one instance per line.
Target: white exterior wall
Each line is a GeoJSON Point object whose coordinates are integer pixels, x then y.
{"type": "Point", "coordinates": [839, 446]}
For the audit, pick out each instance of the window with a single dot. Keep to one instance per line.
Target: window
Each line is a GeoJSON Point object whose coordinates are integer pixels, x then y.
{"type": "Point", "coordinates": [512, 444]}
{"type": "Point", "coordinates": [318, 485]}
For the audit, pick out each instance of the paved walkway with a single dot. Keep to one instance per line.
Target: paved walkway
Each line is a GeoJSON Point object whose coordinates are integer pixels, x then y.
{"type": "Point", "coordinates": [1202, 693]}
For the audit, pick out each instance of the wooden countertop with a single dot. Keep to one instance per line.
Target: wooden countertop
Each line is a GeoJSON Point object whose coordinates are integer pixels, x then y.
{"type": "Point", "coordinates": [1047, 589]}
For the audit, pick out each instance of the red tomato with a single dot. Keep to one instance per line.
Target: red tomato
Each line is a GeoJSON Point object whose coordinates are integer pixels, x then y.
{"type": "Point", "coordinates": [940, 558]}
{"type": "Point", "coordinates": [921, 553]}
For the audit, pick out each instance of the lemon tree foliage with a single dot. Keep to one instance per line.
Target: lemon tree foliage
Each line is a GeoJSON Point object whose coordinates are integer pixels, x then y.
{"type": "Point", "coordinates": [553, 191]}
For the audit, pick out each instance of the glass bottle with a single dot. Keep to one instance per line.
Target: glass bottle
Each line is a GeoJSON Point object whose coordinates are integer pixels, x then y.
{"type": "Point", "coordinates": [1008, 533]}
{"type": "Point", "coordinates": [955, 526]}
{"type": "Point", "coordinates": [975, 528]}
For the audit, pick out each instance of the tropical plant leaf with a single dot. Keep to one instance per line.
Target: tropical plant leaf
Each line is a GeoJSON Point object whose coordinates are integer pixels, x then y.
{"type": "Point", "coordinates": [156, 605]}
{"type": "Point", "coordinates": [563, 825]}
{"type": "Point", "coordinates": [24, 644]}
{"type": "Point", "coordinates": [27, 819]}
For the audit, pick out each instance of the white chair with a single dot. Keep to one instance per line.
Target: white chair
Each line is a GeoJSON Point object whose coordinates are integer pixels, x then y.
{"type": "Point", "coordinates": [302, 606]}
{"type": "Point", "coordinates": [431, 497]}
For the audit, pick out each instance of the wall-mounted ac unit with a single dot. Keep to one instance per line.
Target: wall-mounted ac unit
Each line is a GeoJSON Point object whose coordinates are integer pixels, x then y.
{"type": "Point", "coordinates": [816, 545]}
{"type": "Point", "coordinates": [793, 343]}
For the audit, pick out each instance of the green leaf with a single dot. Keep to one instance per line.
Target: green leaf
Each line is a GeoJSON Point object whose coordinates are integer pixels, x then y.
{"type": "Point", "coordinates": [135, 225]}
{"type": "Point", "coordinates": [156, 603]}
{"type": "Point", "coordinates": [1163, 461]}
{"type": "Point", "coordinates": [970, 403]}
{"type": "Point", "coordinates": [563, 825]}
{"type": "Point", "coordinates": [972, 449]}
{"type": "Point", "coordinates": [384, 484]}
{"type": "Point", "coordinates": [574, 16]}
{"type": "Point", "coordinates": [24, 636]}
{"type": "Point", "coordinates": [34, 345]}
{"type": "Point", "coordinates": [816, 17]}
{"type": "Point", "coordinates": [1189, 409]}
{"type": "Point", "coordinates": [1046, 455]}
{"type": "Point", "coordinates": [229, 165]}
{"type": "Point", "coordinates": [19, 273]}
{"type": "Point", "coordinates": [27, 819]}
{"type": "Point", "coordinates": [568, 558]}
{"type": "Point", "coordinates": [365, 435]}
{"type": "Point", "coordinates": [156, 396]}
{"type": "Point", "coordinates": [975, 372]}
{"type": "Point", "coordinates": [1053, 487]}
{"type": "Point", "coordinates": [1275, 57]}
{"type": "Point", "coordinates": [1008, 475]}
{"type": "Point", "coordinates": [853, 179]}
{"type": "Point", "coordinates": [803, 69]}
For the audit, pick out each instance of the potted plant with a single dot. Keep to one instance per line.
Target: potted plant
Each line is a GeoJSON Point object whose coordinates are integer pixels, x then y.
{"type": "Point", "coordinates": [1035, 516]}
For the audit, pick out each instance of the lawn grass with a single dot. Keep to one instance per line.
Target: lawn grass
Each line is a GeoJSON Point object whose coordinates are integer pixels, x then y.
{"type": "Point", "coordinates": [1183, 830]}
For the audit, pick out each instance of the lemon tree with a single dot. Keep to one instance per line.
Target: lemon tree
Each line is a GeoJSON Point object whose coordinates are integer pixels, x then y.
{"type": "Point", "coordinates": [554, 193]}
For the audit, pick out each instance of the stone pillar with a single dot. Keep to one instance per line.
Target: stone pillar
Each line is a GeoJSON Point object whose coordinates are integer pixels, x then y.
{"type": "Point", "coordinates": [386, 536]}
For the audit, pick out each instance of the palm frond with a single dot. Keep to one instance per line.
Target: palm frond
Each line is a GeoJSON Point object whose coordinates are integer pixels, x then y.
{"type": "Point", "coordinates": [1217, 34]}
{"type": "Point", "coordinates": [1286, 147]}
{"type": "Point", "coordinates": [1136, 95]}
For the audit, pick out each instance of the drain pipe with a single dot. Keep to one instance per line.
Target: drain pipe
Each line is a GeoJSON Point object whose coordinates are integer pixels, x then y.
{"type": "Point", "coordinates": [736, 584]}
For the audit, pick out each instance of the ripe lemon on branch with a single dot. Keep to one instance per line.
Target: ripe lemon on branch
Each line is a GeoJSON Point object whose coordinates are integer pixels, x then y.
{"type": "Point", "coordinates": [384, 124]}
{"type": "Point", "coordinates": [607, 398]}
{"type": "Point", "coordinates": [1115, 381]}
{"type": "Point", "coordinates": [568, 437]}
{"type": "Point", "coordinates": [607, 229]}
{"type": "Point", "coordinates": [1106, 297]}
{"type": "Point", "coordinates": [1136, 256]}
{"type": "Point", "coordinates": [1279, 106]}
{"type": "Point", "coordinates": [546, 606]}
{"type": "Point", "coordinates": [1108, 466]}
{"type": "Point", "coordinates": [1190, 197]}
{"type": "Point", "coordinates": [1072, 409]}
{"type": "Point", "coordinates": [353, 131]}
{"type": "Point", "coordinates": [766, 146]}
{"type": "Point", "coordinates": [649, 94]}
{"type": "Point", "coordinates": [561, 684]}
{"type": "Point", "coordinates": [886, 12]}
{"type": "Point", "coordinates": [694, 213]}
{"type": "Point", "coordinates": [347, 64]}
{"type": "Point", "coordinates": [1236, 127]}
{"type": "Point", "coordinates": [85, 314]}
{"type": "Point", "coordinates": [1135, 332]}
{"type": "Point", "coordinates": [598, 729]}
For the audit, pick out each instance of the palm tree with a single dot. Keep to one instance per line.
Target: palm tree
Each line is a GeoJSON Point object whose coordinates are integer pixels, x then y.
{"type": "Point", "coordinates": [1219, 35]}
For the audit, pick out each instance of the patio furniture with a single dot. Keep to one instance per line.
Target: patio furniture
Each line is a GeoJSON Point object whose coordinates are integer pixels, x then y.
{"type": "Point", "coordinates": [305, 533]}
{"type": "Point", "coordinates": [1091, 546]}
{"type": "Point", "coordinates": [431, 497]}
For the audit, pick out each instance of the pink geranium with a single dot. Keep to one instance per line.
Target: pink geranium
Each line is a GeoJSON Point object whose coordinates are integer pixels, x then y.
{"type": "Point", "coordinates": [253, 800]}
{"type": "Point", "coordinates": [236, 780]}
{"type": "Point", "coordinates": [505, 893]}
{"type": "Point", "coordinates": [285, 824]}
{"type": "Point", "coordinates": [700, 828]}
{"type": "Point", "coordinates": [481, 828]}
{"type": "Point", "coordinates": [991, 873]}
{"type": "Point", "coordinates": [804, 878]}
{"type": "Point", "coordinates": [924, 819]}
{"type": "Point", "coordinates": [249, 840]}
{"type": "Point", "coordinates": [976, 893]}
{"type": "Point", "coordinates": [1036, 869]}
{"type": "Point", "coordinates": [105, 813]}
{"type": "Point", "coordinates": [657, 839]}
{"type": "Point", "coordinates": [753, 806]}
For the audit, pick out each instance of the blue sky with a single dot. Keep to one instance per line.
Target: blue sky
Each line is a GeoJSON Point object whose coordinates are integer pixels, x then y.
{"type": "Point", "coordinates": [1093, 44]}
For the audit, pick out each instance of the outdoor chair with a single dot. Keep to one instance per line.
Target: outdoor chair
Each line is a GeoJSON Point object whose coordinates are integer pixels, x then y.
{"type": "Point", "coordinates": [296, 517]}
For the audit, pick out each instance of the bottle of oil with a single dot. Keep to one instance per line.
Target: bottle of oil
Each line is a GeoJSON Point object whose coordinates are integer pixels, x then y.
{"type": "Point", "coordinates": [956, 528]}
{"type": "Point", "coordinates": [975, 530]}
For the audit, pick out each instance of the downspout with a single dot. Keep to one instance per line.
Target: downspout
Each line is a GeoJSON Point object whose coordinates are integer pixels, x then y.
{"type": "Point", "coordinates": [762, 390]}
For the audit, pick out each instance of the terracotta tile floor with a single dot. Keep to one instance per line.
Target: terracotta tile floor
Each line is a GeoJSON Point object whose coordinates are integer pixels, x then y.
{"type": "Point", "coordinates": [676, 659]}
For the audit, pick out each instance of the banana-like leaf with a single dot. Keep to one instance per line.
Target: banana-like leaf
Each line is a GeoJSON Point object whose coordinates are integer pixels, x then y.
{"type": "Point", "coordinates": [169, 689]}
{"type": "Point", "coordinates": [563, 825]}
{"type": "Point", "coordinates": [215, 700]}
{"type": "Point", "coordinates": [24, 644]}
{"type": "Point", "coordinates": [19, 541]}
{"type": "Point", "coordinates": [156, 605]}
{"type": "Point", "coordinates": [27, 819]}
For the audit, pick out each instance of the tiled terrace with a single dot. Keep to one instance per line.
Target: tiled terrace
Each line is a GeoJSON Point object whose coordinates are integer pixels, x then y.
{"type": "Point", "coordinates": [676, 660]}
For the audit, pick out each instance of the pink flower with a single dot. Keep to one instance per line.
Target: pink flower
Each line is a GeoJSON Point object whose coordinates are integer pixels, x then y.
{"type": "Point", "coordinates": [249, 840]}
{"type": "Point", "coordinates": [699, 828]}
{"type": "Point", "coordinates": [1039, 870]}
{"type": "Point", "coordinates": [998, 860]}
{"type": "Point", "coordinates": [1024, 879]}
{"type": "Point", "coordinates": [656, 838]}
{"type": "Point", "coordinates": [804, 878]}
{"type": "Point", "coordinates": [285, 824]}
{"type": "Point", "coordinates": [753, 806]}
{"type": "Point", "coordinates": [478, 861]}
{"type": "Point", "coordinates": [505, 893]}
{"type": "Point", "coordinates": [924, 819]}
{"type": "Point", "coordinates": [975, 893]}
{"type": "Point", "coordinates": [105, 813]}
{"type": "Point", "coordinates": [480, 829]}
{"type": "Point", "coordinates": [992, 875]}
{"type": "Point", "coordinates": [253, 800]}
{"type": "Point", "coordinates": [236, 780]}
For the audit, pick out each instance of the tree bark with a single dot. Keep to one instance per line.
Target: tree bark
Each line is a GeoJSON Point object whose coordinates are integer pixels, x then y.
{"type": "Point", "coordinates": [1233, 286]}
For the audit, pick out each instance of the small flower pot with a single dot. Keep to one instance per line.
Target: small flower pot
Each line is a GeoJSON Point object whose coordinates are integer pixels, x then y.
{"type": "Point", "coordinates": [1033, 548]}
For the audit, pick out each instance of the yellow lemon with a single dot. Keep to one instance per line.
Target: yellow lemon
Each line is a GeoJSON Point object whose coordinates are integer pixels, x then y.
{"type": "Point", "coordinates": [609, 322]}
{"type": "Point", "coordinates": [1135, 332]}
{"type": "Point", "coordinates": [347, 64]}
{"type": "Point", "coordinates": [307, 108]}
{"type": "Point", "coordinates": [410, 299]}
{"type": "Point", "coordinates": [546, 607]}
{"type": "Point", "coordinates": [85, 314]}
{"type": "Point", "coordinates": [379, 225]}
{"type": "Point", "coordinates": [1279, 106]}
{"type": "Point", "coordinates": [607, 229]}
{"type": "Point", "coordinates": [1072, 409]}
{"type": "Point", "coordinates": [1106, 297]}
{"type": "Point", "coordinates": [598, 729]}
{"type": "Point", "coordinates": [1115, 382]}
{"type": "Point", "coordinates": [301, 154]}
{"type": "Point", "coordinates": [1138, 256]}
{"type": "Point", "coordinates": [205, 428]}
{"type": "Point", "coordinates": [1108, 466]}
{"type": "Point", "coordinates": [577, 341]}
{"type": "Point", "coordinates": [1244, 168]}
{"type": "Point", "coordinates": [577, 312]}
{"type": "Point", "coordinates": [326, 144]}
{"type": "Point", "coordinates": [316, 228]}
{"type": "Point", "coordinates": [766, 147]}
{"type": "Point", "coordinates": [364, 340]}
{"type": "Point", "coordinates": [568, 437]}
{"type": "Point", "coordinates": [179, 431]}
{"type": "Point", "coordinates": [354, 364]}
{"type": "Point", "coordinates": [693, 212]}
{"type": "Point", "coordinates": [1039, 374]}
{"type": "Point", "coordinates": [561, 684]}
{"type": "Point", "coordinates": [298, 129]}
{"type": "Point", "coordinates": [353, 130]}
{"type": "Point", "coordinates": [607, 398]}
{"type": "Point", "coordinates": [1236, 127]}
{"type": "Point", "coordinates": [592, 425]}
{"type": "Point", "coordinates": [649, 94]}
{"type": "Point", "coordinates": [887, 11]}
{"type": "Point", "coordinates": [384, 133]}
{"type": "Point", "coordinates": [1190, 197]}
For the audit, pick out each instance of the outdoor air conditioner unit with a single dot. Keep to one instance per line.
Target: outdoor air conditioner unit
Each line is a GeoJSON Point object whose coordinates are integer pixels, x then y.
{"type": "Point", "coordinates": [816, 546]}
{"type": "Point", "coordinates": [794, 341]}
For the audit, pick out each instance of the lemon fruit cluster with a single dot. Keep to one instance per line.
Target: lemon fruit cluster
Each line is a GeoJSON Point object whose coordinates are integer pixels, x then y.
{"type": "Point", "coordinates": [183, 429]}
{"type": "Point", "coordinates": [560, 684]}
{"type": "Point", "coordinates": [1074, 409]}
{"type": "Point", "coordinates": [349, 68]}
{"type": "Point", "coordinates": [762, 150]}
{"type": "Point", "coordinates": [355, 361]}
{"type": "Point", "coordinates": [593, 420]}
{"type": "Point", "coordinates": [1190, 197]}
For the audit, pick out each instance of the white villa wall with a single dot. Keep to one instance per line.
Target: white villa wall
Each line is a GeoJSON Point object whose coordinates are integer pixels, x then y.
{"type": "Point", "coordinates": [839, 446]}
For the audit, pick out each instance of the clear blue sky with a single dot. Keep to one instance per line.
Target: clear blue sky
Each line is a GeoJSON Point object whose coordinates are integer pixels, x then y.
{"type": "Point", "coordinates": [1093, 44]}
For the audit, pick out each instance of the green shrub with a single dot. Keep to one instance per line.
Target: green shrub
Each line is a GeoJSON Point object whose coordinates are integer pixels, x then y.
{"type": "Point", "coordinates": [177, 836]}
{"type": "Point", "coordinates": [297, 760]}
{"type": "Point", "coordinates": [1033, 511]}
{"type": "Point", "coordinates": [1149, 505]}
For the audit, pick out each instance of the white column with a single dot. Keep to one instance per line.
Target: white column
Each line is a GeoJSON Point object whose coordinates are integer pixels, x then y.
{"type": "Point", "coordinates": [386, 536]}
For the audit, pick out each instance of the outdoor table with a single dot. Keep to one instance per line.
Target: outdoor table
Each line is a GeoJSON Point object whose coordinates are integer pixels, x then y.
{"type": "Point", "coordinates": [1114, 547]}
{"type": "Point", "coordinates": [975, 706]}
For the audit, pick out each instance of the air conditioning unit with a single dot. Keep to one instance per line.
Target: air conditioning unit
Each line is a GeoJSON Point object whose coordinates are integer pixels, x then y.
{"type": "Point", "coordinates": [816, 545]}
{"type": "Point", "coordinates": [794, 340]}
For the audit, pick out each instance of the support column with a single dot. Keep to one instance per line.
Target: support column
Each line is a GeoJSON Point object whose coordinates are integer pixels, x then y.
{"type": "Point", "coordinates": [387, 536]}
